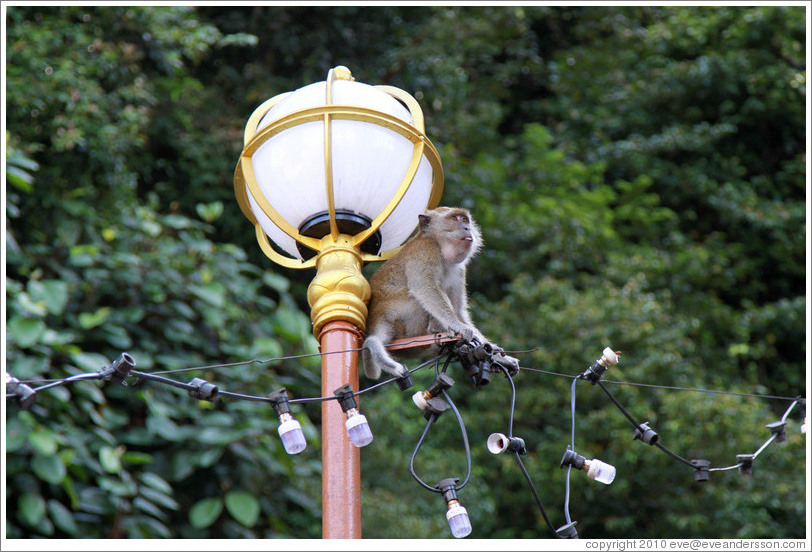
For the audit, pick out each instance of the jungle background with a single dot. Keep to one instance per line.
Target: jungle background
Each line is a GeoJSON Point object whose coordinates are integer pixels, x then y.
{"type": "Point", "coordinates": [639, 174]}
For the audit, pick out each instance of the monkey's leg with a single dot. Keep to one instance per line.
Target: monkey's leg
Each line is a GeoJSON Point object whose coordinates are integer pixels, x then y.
{"type": "Point", "coordinates": [377, 358]}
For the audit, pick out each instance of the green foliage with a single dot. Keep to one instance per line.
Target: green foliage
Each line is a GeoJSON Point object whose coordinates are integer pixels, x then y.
{"type": "Point", "coordinates": [639, 176]}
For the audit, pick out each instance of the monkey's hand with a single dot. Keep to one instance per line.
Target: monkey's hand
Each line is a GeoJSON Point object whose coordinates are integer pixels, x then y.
{"type": "Point", "coordinates": [511, 364]}
{"type": "Point", "coordinates": [468, 333]}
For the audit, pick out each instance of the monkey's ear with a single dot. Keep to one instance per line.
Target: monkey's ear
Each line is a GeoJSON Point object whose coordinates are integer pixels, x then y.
{"type": "Point", "coordinates": [424, 222]}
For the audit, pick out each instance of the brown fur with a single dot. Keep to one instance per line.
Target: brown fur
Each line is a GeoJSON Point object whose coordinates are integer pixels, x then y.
{"type": "Point", "coordinates": [421, 289]}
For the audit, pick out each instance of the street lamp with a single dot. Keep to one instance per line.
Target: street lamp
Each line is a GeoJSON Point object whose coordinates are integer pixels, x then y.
{"type": "Point", "coordinates": [333, 175]}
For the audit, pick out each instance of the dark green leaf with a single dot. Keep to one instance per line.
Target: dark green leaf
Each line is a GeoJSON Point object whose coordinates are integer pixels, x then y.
{"type": "Point", "coordinates": [205, 512]}
{"type": "Point", "coordinates": [50, 469]}
{"type": "Point", "coordinates": [243, 507]}
{"type": "Point", "coordinates": [31, 508]}
{"type": "Point", "coordinates": [62, 518]}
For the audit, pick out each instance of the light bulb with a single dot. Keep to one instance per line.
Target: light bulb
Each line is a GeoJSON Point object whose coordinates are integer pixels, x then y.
{"type": "Point", "coordinates": [290, 431]}
{"type": "Point", "coordinates": [596, 469]}
{"type": "Point", "coordinates": [358, 428]}
{"type": "Point", "coordinates": [458, 520]}
{"type": "Point", "coordinates": [600, 471]}
{"type": "Point", "coordinates": [608, 358]}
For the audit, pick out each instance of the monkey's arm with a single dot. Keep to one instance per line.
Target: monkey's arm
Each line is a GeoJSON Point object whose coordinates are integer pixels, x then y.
{"type": "Point", "coordinates": [459, 299]}
{"type": "Point", "coordinates": [424, 282]}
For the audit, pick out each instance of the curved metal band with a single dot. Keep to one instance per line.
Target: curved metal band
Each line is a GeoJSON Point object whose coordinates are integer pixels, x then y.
{"type": "Point", "coordinates": [245, 179]}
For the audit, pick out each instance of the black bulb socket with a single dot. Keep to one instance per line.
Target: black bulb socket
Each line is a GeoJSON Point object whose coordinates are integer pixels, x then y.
{"type": "Point", "coordinates": [646, 434]}
{"type": "Point", "coordinates": [745, 463]}
{"type": "Point", "coordinates": [572, 458]}
{"type": "Point", "coordinates": [443, 382]}
{"type": "Point", "coordinates": [202, 390]}
{"type": "Point", "coordinates": [120, 368]}
{"type": "Point", "coordinates": [435, 406]}
{"type": "Point", "coordinates": [21, 392]}
{"type": "Point", "coordinates": [777, 429]}
{"type": "Point", "coordinates": [405, 381]}
{"type": "Point", "coordinates": [279, 401]}
{"type": "Point", "coordinates": [567, 531]}
{"type": "Point", "coordinates": [346, 397]}
{"type": "Point", "coordinates": [701, 470]}
{"type": "Point", "coordinates": [448, 488]}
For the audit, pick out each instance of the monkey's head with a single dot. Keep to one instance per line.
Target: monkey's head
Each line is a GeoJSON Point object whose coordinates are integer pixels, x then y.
{"type": "Point", "coordinates": [454, 230]}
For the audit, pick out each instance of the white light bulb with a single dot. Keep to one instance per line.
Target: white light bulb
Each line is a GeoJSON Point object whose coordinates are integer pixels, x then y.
{"type": "Point", "coordinates": [419, 399]}
{"type": "Point", "coordinates": [358, 428]}
{"type": "Point", "coordinates": [290, 431]}
{"type": "Point", "coordinates": [458, 520]}
{"type": "Point", "coordinates": [600, 471]}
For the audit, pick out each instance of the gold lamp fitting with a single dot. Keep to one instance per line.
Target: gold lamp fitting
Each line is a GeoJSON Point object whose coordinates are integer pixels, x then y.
{"type": "Point", "coordinates": [339, 290]}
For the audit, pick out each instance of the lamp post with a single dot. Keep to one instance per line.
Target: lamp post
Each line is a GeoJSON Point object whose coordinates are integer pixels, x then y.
{"type": "Point", "coordinates": [333, 175]}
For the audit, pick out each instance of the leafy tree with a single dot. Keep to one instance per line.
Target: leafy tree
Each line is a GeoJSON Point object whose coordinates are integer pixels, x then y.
{"type": "Point", "coordinates": [638, 173]}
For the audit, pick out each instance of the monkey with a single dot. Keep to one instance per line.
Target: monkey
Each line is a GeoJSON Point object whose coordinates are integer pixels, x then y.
{"type": "Point", "coordinates": [422, 289]}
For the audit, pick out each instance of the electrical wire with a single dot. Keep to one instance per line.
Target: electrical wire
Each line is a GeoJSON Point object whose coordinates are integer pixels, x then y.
{"type": "Point", "coordinates": [431, 419]}
{"type": "Point", "coordinates": [572, 446]}
{"type": "Point", "coordinates": [518, 456]}
{"type": "Point", "coordinates": [446, 353]}
{"type": "Point", "coordinates": [669, 387]}
{"type": "Point", "coordinates": [639, 428]}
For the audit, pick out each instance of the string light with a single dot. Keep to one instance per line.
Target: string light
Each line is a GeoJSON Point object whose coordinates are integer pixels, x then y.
{"type": "Point", "coordinates": [356, 424]}
{"type": "Point", "coordinates": [593, 373]}
{"type": "Point", "coordinates": [442, 383]}
{"type": "Point", "coordinates": [596, 469]}
{"type": "Point", "coordinates": [499, 442]}
{"type": "Point", "coordinates": [457, 515]}
{"type": "Point", "coordinates": [290, 430]}
{"type": "Point", "coordinates": [479, 362]}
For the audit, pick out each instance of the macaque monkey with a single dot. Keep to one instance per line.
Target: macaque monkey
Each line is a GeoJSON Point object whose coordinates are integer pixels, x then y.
{"type": "Point", "coordinates": [421, 289]}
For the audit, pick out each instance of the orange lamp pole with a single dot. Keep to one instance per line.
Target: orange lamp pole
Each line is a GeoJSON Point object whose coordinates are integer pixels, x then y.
{"type": "Point", "coordinates": [338, 296]}
{"type": "Point", "coordinates": [341, 461]}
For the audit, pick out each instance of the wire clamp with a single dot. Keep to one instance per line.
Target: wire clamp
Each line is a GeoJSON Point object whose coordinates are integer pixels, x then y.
{"type": "Point", "coordinates": [745, 463]}
{"type": "Point", "coordinates": [702, 468]}
{"type": "Point", "coordinates": [19, 391]}
{"type": "Point", "coordinates": [567, 531]}
{"type": "Point", "coordinates": [777, 429]}
{"type": "Point", "coordinates": [646, 434]}
{"type": "Point", "coordinates": [202, 390]}
{"type": "Point", "coordinates": [119, 369]}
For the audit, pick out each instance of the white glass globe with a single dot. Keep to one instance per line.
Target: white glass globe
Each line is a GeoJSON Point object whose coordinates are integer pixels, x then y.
{"type": "Point", "coordinates": [369, 163]}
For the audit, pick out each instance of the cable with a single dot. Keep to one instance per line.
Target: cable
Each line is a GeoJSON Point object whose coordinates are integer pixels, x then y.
{"type": "Point", "coordinates": [120, 369]}
{"type": "Point", "coordinates": [78, 377]}
{"type": "Point", "coordinates": [464, 440]}
{"type": "Point", "coordinates": [641, 429]}
{"type": "Point", "coordinates": [572, 446]}
{"type": "Point", "coordinates": [535, 494]}
{"type": "Point", "coordinates": [670, 387]}
{"type": "Point", "coordinates": [432, 417]}
{"type": "Point", "coordinates": [430, 421]}
{"type": "Point", "coordinates": [517, 455]}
